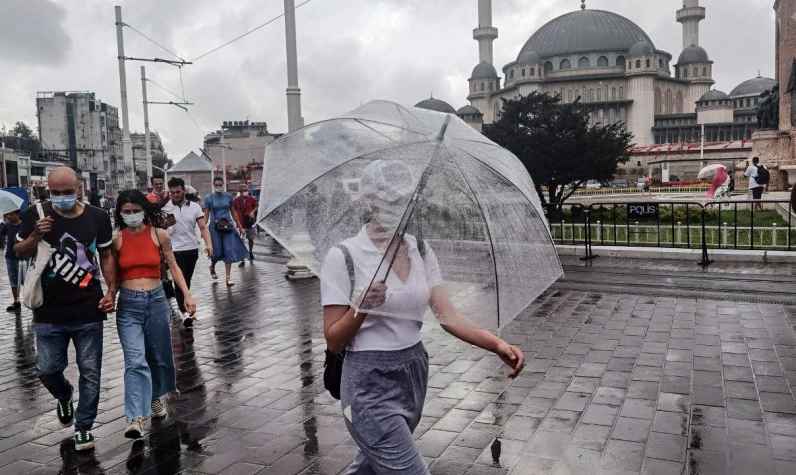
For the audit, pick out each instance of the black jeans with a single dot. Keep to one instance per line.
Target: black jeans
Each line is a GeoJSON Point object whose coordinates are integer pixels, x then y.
{"type": "Point", "coordinates": [186, 261]}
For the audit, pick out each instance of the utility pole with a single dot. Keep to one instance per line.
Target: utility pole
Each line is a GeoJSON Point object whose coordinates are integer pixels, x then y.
{"type": "Point", "coordinates": [294, 119]}
{"type": "Point", "coordinates": [223, 159]}
{"type": "Point", "coordinates": [127, 144]}
{"type": "Point", "coordinates": [146, 128]}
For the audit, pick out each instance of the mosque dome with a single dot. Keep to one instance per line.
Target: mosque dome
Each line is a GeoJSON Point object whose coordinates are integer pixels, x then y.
{"type": "Point", "coordinates": [693, 54]}
{"type": "Point", "coordinates": [585, 31]}
{"type": "Point", "coordinates": [754, 86]}
{"type": "Point", "coordinates": [468, 110]}
{"type": "Point", "coordinates": [436, 105]}
{"type": "Point", "coordinates": [714, 95]}
{"type": "Point", "coordinates": [484, 71]}
{"type": "Point", "coordinates": [641, 48]}
{"type": "Point", "coordinates": [529, 57]}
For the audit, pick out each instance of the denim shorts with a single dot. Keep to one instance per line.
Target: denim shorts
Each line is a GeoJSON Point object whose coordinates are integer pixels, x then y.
{"type": "Point", "coordinates": [12, 265]}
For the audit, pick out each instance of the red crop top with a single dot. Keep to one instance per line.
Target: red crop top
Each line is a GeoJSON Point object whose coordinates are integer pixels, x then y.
{"type": "Point", "coordinates": [139, 256]}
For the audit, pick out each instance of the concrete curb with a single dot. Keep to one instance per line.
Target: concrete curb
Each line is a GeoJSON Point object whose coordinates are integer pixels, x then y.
{"type": "Point", "coordinates": [717, 255]}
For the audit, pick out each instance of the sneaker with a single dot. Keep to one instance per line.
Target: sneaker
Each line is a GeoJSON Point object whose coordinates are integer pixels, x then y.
{"type": "Point", "coordinates": [158, 409]}
{"type": "Point", "coordinates": [13, 308]}
{"type": "Point", "coordinates": [135, 429]}
{"type": "Point", "coordinates": [187, 320]}
{"type": "Point", "coordinates": [84, 440]}
{"type": "Point", "coordinates": [65, 410]}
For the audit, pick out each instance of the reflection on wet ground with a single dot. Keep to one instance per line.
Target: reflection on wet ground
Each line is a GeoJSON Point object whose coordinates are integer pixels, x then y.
{"type": "Point", "coordinates": [615, 383]}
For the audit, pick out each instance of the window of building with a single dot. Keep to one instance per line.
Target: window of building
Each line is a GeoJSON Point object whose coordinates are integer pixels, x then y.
{"type": "Point", "coordinates": [584, 62]}
{"type": "Point", "coordinates": [602, 62]}
{"type": "Point", "coordinates": [748, 135]}
{"type": "Point", "coordinates": [565, 64]}
{"type": "Point", "coordinates": [735, 134]}
{"type": "Point", "coordinates": [611, 116]}
{"type": "Point", "coordinates": [533, 71]}
{"type": "Point", "coordinates": [696, 72]}
{"type": "Point", "coordinates": [660, 63]}
{"type": "Point", "coordinates": [561, 94]}
{"type": "Point", "coordinates": [620, 61]}
{"type": "Point", "coordinates": [569, 95]}
{"type": "Point", "coordinates": [591, 95]}
{"type": "Point", "coordinates": [757, 101]}
{"type": "Point", "coordinates": [37, 170]}
{"type": "Point", "coordinates": [583, 93]}
{"type": "Point", "coordinates": [621, 93]}
{"type": "Point", "coordinates": [599, 94]}
{"type": "Point", "coordinates": [522, 73]}
{"type": "Point", "coordinates": [548, 67]}
{"type": "Point", "coordinates": [685, 73]}
{"type": "Point", "coordinates": [491, 86]}
{"type": "Point", "coordinates": [483, 86]}
{"type": "Point", "coordinates": [511, 74]}
{"type": "Point", "coordinates": [623, 115]}
{"type": "Point", "coordinates": [705, 71]}
{"type": "Point", "coordinates": [649, 64]}
{"type": "Point", "coordinates": [601, 116]}
{"type": "Point", "coordinates": [613, 93]}
{"type": "Point", "coordinates": [721, 136]}
{"type": "Point", "coordinates": [638, 64]}
{"type": "Point", "coordinates": [748, 102]}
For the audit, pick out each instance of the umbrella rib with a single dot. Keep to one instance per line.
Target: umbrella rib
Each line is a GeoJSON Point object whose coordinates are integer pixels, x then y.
{"type": "Point", "coordinates": [491, 243]}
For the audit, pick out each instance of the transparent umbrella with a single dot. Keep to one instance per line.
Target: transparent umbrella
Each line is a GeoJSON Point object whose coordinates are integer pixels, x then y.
{"type": "Point", "coordinates": [389, 176]}
{"type": "Point", "coordinates": [9, 202]}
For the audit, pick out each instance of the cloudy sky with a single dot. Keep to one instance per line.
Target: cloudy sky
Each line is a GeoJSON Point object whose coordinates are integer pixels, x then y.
{"type": "Point", "coordinates": [350, 51]}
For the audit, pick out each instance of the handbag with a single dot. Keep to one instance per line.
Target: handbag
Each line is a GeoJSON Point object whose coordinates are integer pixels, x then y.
{"type": "Point", "coordinates": [222, 225]}
{"type": "Point", "coordinates": [168, 286]}
{"type": "Point", "coordinates": [32, 292]}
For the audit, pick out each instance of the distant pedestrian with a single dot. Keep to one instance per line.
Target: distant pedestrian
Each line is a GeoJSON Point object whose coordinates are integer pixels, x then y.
{"type": "Point", "coordinates": [246, 208]}
{"type": "Point", "coordinates": [647, 187]}
{"type": "Point", "coordinates": [74, 307]}
{"type": "Point", "coordinates": [10, 231]}
{"type": "Point", "coordinates": [94, 199]}
{"type": "Point", "coordinates": [182, 218]}
{"type": "Point", "coordinates": [158, 195]}
{"type": "Point", "coordinates": [756, 188]}
{"type": "Point", "coordinates": [227, 244]}
{"type": "Point", "coordinates": [142, 318]}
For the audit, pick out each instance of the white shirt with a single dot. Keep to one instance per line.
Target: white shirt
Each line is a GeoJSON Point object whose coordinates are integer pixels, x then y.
{"type": "Point", "coordinates": [409, 300]}
{"type": "Point", "coordinates": [183, 234]}
{"type": "Point", "coordinates": [751, 173]}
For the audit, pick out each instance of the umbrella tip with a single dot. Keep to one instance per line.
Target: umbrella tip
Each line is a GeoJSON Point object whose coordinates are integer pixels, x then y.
{"type": "Point", "coordinates": [444, 128]}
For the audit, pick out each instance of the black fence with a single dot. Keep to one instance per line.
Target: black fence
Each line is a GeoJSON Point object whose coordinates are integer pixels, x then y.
{"type": "Point", "coordinates": [752, 225]}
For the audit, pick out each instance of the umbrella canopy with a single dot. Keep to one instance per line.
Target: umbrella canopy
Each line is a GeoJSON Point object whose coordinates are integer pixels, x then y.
{"type": "Point", "coordinates": [9, 202]}
{"type": "Point", "coordinates": [467, 202]}
{"type": "Point", "coordinates": [710, 170]}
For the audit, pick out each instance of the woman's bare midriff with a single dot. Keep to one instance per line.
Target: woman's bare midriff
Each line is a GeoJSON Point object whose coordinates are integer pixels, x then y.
{"type": "Point", "coordinates": [141, 284]}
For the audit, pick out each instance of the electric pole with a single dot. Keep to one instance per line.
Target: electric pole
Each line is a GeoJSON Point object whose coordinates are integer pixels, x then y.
{"type": "Point", "coordinates": [146, 129]}
{"type": "Point", "coordinates": [127, 144]}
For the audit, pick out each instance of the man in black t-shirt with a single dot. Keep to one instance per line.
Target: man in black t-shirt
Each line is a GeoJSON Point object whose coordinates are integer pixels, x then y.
{"type": "Point", "coordinates": [74, 305]}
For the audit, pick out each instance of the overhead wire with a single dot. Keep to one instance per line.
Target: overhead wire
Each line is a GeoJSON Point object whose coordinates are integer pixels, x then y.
{"type": "Point", "coordinates": [163, 88]}
{"type": "Point", "coordinates": [156, 43]}
{"type": "Point", "coordinates": [247, 33]}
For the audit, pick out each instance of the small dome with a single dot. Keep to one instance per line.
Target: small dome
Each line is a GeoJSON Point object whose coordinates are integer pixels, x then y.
{"type": "Point", "coordinates": [714, 95]}
{"type": "Point", "coordinates": [529, 57]}
{"type": "Point", "coordinates": [436, 105]}
{"type": "Point", "coordinates": [693, 54]}
{"type": "Point", "coordinates": [641, 48]}
{"type": "Point", "coordinates": [484, 71]}
{"type": "Point", "coordinates": [468, 110]}
{"type": "Point", "coordinates": [753, 86]}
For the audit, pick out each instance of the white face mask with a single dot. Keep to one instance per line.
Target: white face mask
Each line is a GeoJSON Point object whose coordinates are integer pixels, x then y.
{"type": "Point", "coordinates": [244, 193]}
{"type": "Point", "coordinates": [218, 189]}
{"type": "Point", "coordinates": [133, 220]}
{"type": "Point", "coordinates": [389, 218]}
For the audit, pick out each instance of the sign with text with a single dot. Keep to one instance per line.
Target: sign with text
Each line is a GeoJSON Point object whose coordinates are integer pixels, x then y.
{"type": "Point", "coordinates": [641, 211]}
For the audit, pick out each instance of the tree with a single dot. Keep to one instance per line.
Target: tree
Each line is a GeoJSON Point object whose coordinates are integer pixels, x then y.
{"type": "Point", "coordinates": [160, 160]}
{"type": "Point", "coordinates": [557, 145]}
{"type": "Point", "coordinates": [22, 129]}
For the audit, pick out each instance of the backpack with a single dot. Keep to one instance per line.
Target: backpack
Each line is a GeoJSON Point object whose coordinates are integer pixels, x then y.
{"type": "Point", "coordinates": [763, 176]}
{"type": "Point", "coordinates": [333, 366]}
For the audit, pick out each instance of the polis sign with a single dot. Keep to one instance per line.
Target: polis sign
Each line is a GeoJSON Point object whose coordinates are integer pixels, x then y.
{"type": "Point", "coordinates": [641, 211]}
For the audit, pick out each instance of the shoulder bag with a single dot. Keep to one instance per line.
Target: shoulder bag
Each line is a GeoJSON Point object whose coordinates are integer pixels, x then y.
{"type": "Point", "coordinates": [32, 292]}
{"type": "Point", "coordinates": [222, 225]}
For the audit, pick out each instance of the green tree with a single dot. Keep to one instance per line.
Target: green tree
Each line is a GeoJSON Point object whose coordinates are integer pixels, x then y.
{"type": "Point", "coordinates": [22, 129]}
{"type": "Point", "coordinates": [557, 145]}
{"type": "Point", "coordinates": [160, 160]}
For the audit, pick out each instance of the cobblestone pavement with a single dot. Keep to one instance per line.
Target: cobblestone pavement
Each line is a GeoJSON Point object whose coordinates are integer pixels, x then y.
{"type": "Point", "coordinates": [615, 384]}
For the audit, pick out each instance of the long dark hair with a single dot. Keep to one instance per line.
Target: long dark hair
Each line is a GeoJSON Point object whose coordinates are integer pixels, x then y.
{"type": "Point", "coordinates": [152, 214]}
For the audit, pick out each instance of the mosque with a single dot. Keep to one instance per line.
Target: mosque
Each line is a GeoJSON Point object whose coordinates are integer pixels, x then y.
{"type": "Point", "coordinates": [614, 68]}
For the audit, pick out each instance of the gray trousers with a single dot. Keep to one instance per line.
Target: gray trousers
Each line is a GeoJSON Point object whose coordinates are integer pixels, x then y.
{"type": "Point", "coordinates": [382, 395]}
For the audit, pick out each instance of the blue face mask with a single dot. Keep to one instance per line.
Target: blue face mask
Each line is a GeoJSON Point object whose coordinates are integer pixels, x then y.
{"type": "Point", "coordinates": [65, 202]}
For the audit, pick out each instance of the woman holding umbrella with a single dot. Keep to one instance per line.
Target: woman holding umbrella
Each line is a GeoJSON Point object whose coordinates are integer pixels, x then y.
{"type": "Point", "coordinates": [385, 373]}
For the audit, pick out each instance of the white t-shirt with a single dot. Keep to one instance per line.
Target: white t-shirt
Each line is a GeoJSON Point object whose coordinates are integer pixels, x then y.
{"type": "Point", "coordinates": [183, 234]}
{"type": "Point", "coordinates": [751, 173]}
{"type": "Point", "coordinates": [410, 300]}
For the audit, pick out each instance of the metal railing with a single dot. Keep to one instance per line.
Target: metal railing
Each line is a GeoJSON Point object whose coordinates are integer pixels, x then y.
{"type": "Point", "coordinates": [735, 225]}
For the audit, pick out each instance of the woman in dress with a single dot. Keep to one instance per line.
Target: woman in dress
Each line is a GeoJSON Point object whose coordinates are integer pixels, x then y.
{"type": "Point", "coordinates": [143, 311]}
{"type": "Point", "coordinates": [227, 243]}
{"type": "Point", "coordinates": [385, 371]}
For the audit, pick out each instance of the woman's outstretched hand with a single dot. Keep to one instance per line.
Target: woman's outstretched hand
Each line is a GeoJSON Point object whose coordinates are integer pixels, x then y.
{"type": "Point", "coordinates": [512, 356]}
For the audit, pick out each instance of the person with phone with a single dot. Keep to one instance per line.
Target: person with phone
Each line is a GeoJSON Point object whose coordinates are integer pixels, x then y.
{"type": "Point", "coordinates": [75, 306]}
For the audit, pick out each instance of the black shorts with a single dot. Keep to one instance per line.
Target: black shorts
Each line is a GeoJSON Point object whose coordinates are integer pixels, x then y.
{"type": "Point", "coordinates": [757, 193]}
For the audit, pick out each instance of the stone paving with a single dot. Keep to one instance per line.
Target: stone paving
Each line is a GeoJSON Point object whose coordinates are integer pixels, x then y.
{"type": "Point", "coordinates": [615, 384]}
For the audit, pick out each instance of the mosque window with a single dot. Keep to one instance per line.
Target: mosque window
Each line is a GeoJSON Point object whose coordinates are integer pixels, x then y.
{"type": "Point", "coordinates": [748, 102]}
{"type": "Point", "coordinates": [649, 64]}
{"type": "Point", "coordinates": [680, 102]}
{"type": "Point", "coordinates": [621, 93]}
{"type": "Point", "coordinates": [591, 95]}
{"type": "Point", "coordinates": [483, 87]}
{"type": "Point", "coordinates": [606, 93]}
{"type": "Point", "coordinates": [584, 62]}
{"type": "Point", "coordinates": [533, 71]}
{"type": "Point", "coordinates": [511, 74]}
{"type": "Point", "coordinates": [569, 95]}
{"type": "Point", "coordinates": [599, 94]}
{"type": "Point", "coordinates": [735, 135]}
{"type": "Point", "coordinates": [491, 86]}
{"type": "Point", "coordinates": [602, 62]}
{"type": "Point", "coordinates": [660, 63]}
{"type": "Point", "coordinates": [705, 71]}
{"type": "Point", "coordinates": [757, 101]}
{"type": "Point", "coordinates": [565, 64]}
{"type": "Point", "coordinates": [696, 72]}
{"type": "Point", "coordinates": [638, 64]}
{"type": "Point", "coordinates": [522, 73]}
{"type": "Point", "coordinates": [548, 66]}
{"type": "Point", "coordinates": [561, 94]}
{"type": "Point", "coordinates": [613, 93]}
{"type": "Point", "coordinates": [620, 61]}
{"type": "Point", "coordinates": [583, 92]}
{"type": "Point", "coordinates": [685, 73]}
{"type": "Point", "coordinates": [722, 137]}
{"type": "Point", "coordinates": [611, 116]}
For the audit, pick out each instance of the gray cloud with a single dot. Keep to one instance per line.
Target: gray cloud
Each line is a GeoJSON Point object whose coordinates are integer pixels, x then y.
{"type": "Point", "coordinates": [32, 32]}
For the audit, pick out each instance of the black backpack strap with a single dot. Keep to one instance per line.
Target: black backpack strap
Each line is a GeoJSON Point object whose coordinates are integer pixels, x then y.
{"type": "Point", "coordinates": [421, 248]}
{"type": "Point", "coordinates": [349, 265]}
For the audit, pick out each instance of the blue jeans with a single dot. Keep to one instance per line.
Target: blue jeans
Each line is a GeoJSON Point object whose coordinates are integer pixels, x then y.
{"type": "Point", "coordinates": [142, 319]}
{"type": "Point", "coordinates": [52, 342]}
{"type": "Point", "coordinates": [12, 266]}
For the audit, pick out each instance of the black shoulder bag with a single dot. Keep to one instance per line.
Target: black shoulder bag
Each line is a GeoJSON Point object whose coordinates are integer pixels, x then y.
{"type": "Point", "coordinates": [333, 366]}
{"type": "Point", "coordinates": [222, 225]}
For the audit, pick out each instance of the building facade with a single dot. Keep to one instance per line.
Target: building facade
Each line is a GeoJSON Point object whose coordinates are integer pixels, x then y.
{"type": "Point", "coordinates": [139, 153]}
{"type": "Point", "coordinates": [243, 143]}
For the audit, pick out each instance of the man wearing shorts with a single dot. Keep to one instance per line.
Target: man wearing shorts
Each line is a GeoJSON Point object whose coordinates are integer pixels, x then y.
{"type": "Point", "coordinates": [755, 187]}
{"type": "Point", "coordinates": [246, 207]}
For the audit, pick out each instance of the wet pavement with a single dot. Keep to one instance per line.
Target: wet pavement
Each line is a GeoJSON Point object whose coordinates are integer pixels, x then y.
{"type": "Point", "coordinates": [617, 382]}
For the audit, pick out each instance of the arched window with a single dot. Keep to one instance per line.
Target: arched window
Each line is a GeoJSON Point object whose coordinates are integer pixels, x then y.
{"type": "Point", "coordinates": [735, 134]}
{"type": "Point", "coordinates": [623, 115]}
{"type": "Point", "coordinates": [721, 136]}
{"type": "Point", "coordinates": [569, 95]}
{"type": "Point", "coordinates": [602, 62]}
{"type": "Point", "coordinates": [533, 71]}
{"type": "Point", "coordinates": [685, 73]}
{"type": "Point", "coordinates": [591, 95]}
{"type": "Point", "coordinates": [649, 64]}
{"type": "Point", "coordinates": [548, 66]}
{"type": "Point", "coordinates": [611, 116]}
{"type": "Point", "coordinates": [583, 93]}
{"type": "Point", "coordinates": [660, 63]}
{"type": "Point", "coordinates": [584, 62]}
{"type": "Point", "coordinates": [748, 102]}
{"type": "Point", "coordinates": [613, 93]}
{"type": "Point", "coordinates": [621, 93]}
{"type": "Point", "coordinates": [599, 94]}
{"type": "Point", "coordinates": [638, 64]}
{"type": "Point", "coordinates": [561, 94]}
{"type": "Point", "coordinates": [696, 72]}
{"type": "Point", "coordinates": [511, 74]}
{"type": "Point", "coordinates": [705, 71]}
{"type": "Point", "coordinates": [483, 86]}
{"type": "Point", "coordinates": [491, 86]}
{"type": "Point", "coordinates": [565, 64]}
{"type": "Point", "coordinates": [522, 73]}
{"type": "Point", "coordinates": [658, 101]}
{"type": "Point", "coordinates": [601, 116]}
{"type": "Point", "coordinates": [620, 61]}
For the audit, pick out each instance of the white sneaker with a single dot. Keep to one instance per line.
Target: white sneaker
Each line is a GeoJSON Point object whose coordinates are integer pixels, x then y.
{"type": "Point", "coordinates": [187, 320]}
{"type": "Point", "coordinates": [158, 409]}
{"type": "Point", "coordinates": [135, 430]}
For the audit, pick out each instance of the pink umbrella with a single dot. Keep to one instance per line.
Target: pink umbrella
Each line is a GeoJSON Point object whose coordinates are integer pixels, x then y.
{"type": "Point", "coordinates": [718, 181]}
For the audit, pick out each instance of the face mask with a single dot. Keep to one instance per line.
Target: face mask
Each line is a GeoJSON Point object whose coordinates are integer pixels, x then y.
{"type": "Point", "coordinates": [218, 189]}
{"type": "Point", "coordinates": [133, 220]}
{"type": "Point", "coordinates": [389, 219]}
{"type": "Point", "coordinates": [245, 194]}
{"type": "Point", "coordinates": [64, 202]}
